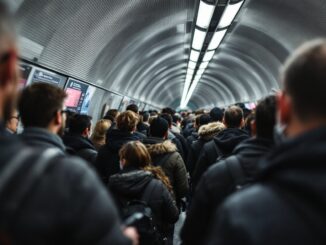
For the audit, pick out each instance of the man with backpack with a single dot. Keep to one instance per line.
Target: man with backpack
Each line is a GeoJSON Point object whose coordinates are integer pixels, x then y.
{"type": "Point", "coordinates": [226, 176]}
{"type": "Point", "coordinates": [46, 197]}
{"type": "Point", "coordinates": [223, 144]}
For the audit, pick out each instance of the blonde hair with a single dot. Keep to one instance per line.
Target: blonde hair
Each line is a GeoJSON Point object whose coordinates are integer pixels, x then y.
{"type": "Point", "coordinates": [127, 121]}
{"type": "Point", "coordinates": [136, 154]}
{"type": "Point", "coordinates": [99, 134]}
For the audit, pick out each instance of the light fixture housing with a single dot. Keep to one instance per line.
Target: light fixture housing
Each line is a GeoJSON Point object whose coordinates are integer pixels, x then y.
{"type": "Point", "coordinates": [199, 38]}
{"type": "Point", "coordinates": [205, 14]}
{"type": "Point", "coordinates": [217, 39]}
{"type": "Point", "coordinates": [203, 65]}
{"type": "Point", "coordinates": [192, 65]}
{"type": "Point", "coordinates": [208, 56]}
{"type": "Point", "coordinates": [229, 14]}
{"type": "Point", "coordinates": [194, 55]}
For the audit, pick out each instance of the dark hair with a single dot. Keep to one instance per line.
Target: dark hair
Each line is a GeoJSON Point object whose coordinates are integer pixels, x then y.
{"type": "Point", "coordinates": [233, 117]}
{"type": "Point", "coordinates": [111, 115]}
{"type": "Point", "coordinates": [39, 103]}
{"type": "Point", "coordinates": [204, 119]}
{"type": "Point", "coordinates": [127, 121]}
{"type": "Point", "coordinates": [146, 116]}
{"type": "Point", "coordinates": [265, 117]}
{"type": "Point", "coordinates": [304, 78]}
{"type": "Point", "coordinates": [216, 114]}
{"type": "Point", "coordinates": [79, 123]}
{"type": "Point", "coordinates": [168, 110]}
{"type": "Point", "coordinates": [176, 118]}
{"type": "Point", "coordinates": [168, 118]}
{"type": "Point", "coordinates": [159, 127]}
{"type": "Point", "coordinates": [133, 108]}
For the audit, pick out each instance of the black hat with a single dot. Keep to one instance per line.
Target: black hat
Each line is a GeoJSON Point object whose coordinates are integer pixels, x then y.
{"type": "Point", "coordinates": [159, 127]}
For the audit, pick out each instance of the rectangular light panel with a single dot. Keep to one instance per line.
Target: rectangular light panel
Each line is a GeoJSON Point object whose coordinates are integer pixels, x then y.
{"type": "Point", "coordinates": [229, 14]}
{"type": "Point", "coordinates": [205, 14]}
{"type": "Point", "coordinates": [194, 55]}
{"type": "Point", "coordinates": [199, 38]}
{"type": "Point", "coordinates": [208, 56]}
{"type": "Point", "coordinates": [217, 39]}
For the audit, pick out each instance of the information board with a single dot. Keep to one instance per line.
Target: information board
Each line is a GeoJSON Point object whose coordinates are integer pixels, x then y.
{"type": "Point", "coordinates": [45, 76]}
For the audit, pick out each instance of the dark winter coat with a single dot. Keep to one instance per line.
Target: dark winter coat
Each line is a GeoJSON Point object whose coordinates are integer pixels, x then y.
{"type": "Point", "coordinates": [42, 138]}
{"type": "Point", "coordinates": [131, 184]}
{"type": "Point", "coordinates": [225, 141]}
{"type": "Point", "coordinates": [164, 154]}
{"type": "Point", "coordinates": [216, 184]}
{"type": "Point", "coordinates": [59, 205]}
{"type": "Point", "coordinates": [108, 161]}
{"type": "Point", "coordinates": [287, 206]}
{"type": "Point", "coordinates": [81, 147]}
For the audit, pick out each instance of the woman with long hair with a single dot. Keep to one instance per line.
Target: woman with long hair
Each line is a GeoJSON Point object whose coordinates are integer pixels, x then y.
{"type": "Point", "coordinates": [138, 177]}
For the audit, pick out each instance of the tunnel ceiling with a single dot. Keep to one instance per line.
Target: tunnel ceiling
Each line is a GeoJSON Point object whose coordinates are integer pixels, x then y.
{"type": "Point", "coordinates": [141, 47]}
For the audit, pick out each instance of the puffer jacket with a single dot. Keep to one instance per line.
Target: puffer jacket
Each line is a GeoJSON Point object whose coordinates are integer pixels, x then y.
{"type": "Point", "coordinates": [225, 142]}
{"type": "Point", "coordinates": [205, 134]}
{"type": "Point", "coordinates": [287, 205]}
{"type": "Point", "coordinates": [216, 184]}
{"type": "Point", "coordinates": [131, 184]}
{"type": "Point", "coordinates": [164, 154]}
{"type": "Point", "coordinates": [108, 162]}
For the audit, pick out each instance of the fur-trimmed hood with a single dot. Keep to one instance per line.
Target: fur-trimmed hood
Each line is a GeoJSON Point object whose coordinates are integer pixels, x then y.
{"type": "Point", "coordinates": [208, 131]}
{"type": "Point", "coordinates": [161, 148]}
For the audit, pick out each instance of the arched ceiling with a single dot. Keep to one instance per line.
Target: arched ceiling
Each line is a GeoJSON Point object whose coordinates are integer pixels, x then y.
{"type": "Point", "coordinates": [140, 48]}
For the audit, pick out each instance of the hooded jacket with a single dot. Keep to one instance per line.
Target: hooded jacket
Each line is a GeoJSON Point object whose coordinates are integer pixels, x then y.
{"type": "Point", "coordinates": [60, 203]}
{"type": "Point", "coordinates": [164, 154]}
{"type": "Point", "coordinates": [108, 162]}
{"type": "Point", "coordinates": [81, 147]}
{"type": "Point", "coordinates": [225, 142]}
{"type": "Point", "coordinates": [131, 184]}
{"type": "Point", "coordinates": [216, 184]}
{"type": "Point", "coordinates": [42, 138]}
{"type": "Point", "coordinates": [205, 134]}
{"type": "Point", "coordinates": [288, 204]}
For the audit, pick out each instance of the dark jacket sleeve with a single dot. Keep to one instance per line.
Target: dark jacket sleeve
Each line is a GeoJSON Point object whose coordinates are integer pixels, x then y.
{"type": "Point", "coordinates": [90, 209]}
{"type": "Point", "coordinates": [213, 188]}
{"type": "Point", "coordinates": [106, 164]}
{"type": "Point", "coordinates": [181, 178]}
{"type": "Point", "coordinates": [200, 167]}
{"type": "Point", "coordinates": [169, 209]}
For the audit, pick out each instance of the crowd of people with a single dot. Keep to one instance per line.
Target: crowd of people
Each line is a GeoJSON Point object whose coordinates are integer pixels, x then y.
{"type": "Point", "coordinates": [241, 176]}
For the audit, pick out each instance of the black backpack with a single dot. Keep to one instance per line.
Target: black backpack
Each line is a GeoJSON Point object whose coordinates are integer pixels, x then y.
{"type": "Point", "coordinates": [142, 218]}
{"type": "Point", "coordinates": [236, 172]}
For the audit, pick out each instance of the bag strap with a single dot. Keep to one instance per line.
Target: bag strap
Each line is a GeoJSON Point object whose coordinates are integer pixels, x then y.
{"type": "Point", "coordinates": [216, 149]}
{"type": "Point", "coordinates": [148, 191]}
{"type": "Point", "coordinates": [236, 171]}
{"type": "Point", "coordinates": [164, 159]}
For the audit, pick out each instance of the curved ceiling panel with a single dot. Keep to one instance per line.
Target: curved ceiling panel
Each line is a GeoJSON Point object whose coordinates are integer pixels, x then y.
{"type": "Point", "coordinates": [140, 48]}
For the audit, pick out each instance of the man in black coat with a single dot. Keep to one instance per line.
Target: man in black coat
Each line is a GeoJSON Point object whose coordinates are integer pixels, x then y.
{"type": "Point", "coordinates": [223, 144]}
{"type": "Point", "coordinates": [77, 139]}
{"type": "Point", "coordinates": [107, 162]}
{"type": "Point", "coordinates": [219, 180]}
{"type": "Point", "coordinates": [288, 205]}
{"type": "Point", "coordinates": [46, 197]}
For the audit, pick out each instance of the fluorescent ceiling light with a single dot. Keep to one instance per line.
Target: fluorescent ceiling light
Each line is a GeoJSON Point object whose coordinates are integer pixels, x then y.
{"type": "Point", "coordinates": [185, 92]}
{"type": "Point", "coordinates": [194, 55]}
{"type": "Point", "coordinates": [191, 91]}
{"type": "Point", "coordinates": [217, 39]}
{"type": "Point", "coordinates": [203, 65]}
{"type": "Point", "coordinates": [190, 71]}
{"type": "Point", "coordinates": [208, 56]}
{"type": "Point", "coordinates": [199, 38]}
{"type": "Point", "coordinates": [229, 14]}
{"type": "Point", "coordinates": [197, 77]}
{"type": "Point", "coordinates": [200, 72]}
{"type": "Point", "coordinates": [205, 14]}
{"type": "Point", "coordinates": [192, 65]}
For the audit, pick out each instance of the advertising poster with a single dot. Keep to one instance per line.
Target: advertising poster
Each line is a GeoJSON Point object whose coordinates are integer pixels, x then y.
{"type": "Point", "coordinates": [87, 100]}
{"type": "Point", "coordinates": [45, 76]}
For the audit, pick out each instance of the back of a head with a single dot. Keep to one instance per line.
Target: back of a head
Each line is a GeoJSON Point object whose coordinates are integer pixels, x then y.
{"type": "Point", "coordinates": [38, 104]}
{"type": "Point", "coordinates": [168, 110]}
{"type": "Point", "coordinates": [146, 116]}
{"type": "Point", "coordinates": [111, 115]}
{"type": "Point", "coordinates": [204, 119]}
{"type": "Point", "coordinates": [127, 121]}
{"type": "Point", "coordinates": [216, 114]}
{"type": "Point", "coordinates": [133, 108]}
{"type": "Point", "coordinates": [265, 117]}
{"type": "Point", "coordinates": [176, 118]}
{"type": "Point", "coordinates": [101, 128]}
{"type": "Point", "coordinates": [159, 127]}
{"type": "Point", "coordinates": [305, 80]}
{"type": "Point", "coordinates": [79, 123]}
{"type": "Point", "coordinates": [135, 154]}
{"type": "Point", "coordinates": [233, 117]}
{"type": "Point", "coordinates": [168, 118]}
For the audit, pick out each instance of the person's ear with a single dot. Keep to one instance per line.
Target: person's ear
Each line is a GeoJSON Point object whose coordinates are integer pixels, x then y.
{"type": "Point", "coordinates": [166, 134]}
{"type": "Point", "coordinates": [58, 119]}
{"type": "Point", "coordinates": [242, 124]}
{"type": "Point", "coordinates": [253, 126]}
{"type": "Point", "coordinates": [223, 121]}
{"type": "Point", "coordinates": [284, 108]}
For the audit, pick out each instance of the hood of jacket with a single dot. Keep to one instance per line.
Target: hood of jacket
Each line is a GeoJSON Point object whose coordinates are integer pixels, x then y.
{"type": "Point", "coordinates": [116, 139]}
{"type": "Point", "coordinates": [161, 148]}
{"type": "Point", "coordinates": [77, 142]}
{"type": "Point", "coordinates": [208, 131]}
{"type": "Point", "coordinates": [229, 138]}
{"type": "Point", "coordinates": [40, 137]}
{"type": "Point", "coordinates": [130, 182]}
{"type": "Point", "coordinates": [298, 168]}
